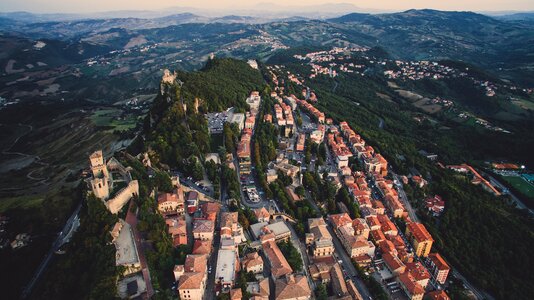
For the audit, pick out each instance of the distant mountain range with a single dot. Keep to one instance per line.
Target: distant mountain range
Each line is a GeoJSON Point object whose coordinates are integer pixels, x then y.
{"type": "Point", "coordinates": [503, 45]}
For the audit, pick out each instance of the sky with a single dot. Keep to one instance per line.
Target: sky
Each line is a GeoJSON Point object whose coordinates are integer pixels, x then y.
{"type": "Point", "coordinates": [89, 6]}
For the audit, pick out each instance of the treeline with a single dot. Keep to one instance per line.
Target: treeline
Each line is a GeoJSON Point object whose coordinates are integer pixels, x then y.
{"type": "Point", "coordinates": [222, 83]}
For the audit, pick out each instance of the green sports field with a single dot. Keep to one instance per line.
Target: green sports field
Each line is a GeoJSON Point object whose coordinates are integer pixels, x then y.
{"type": "Point", "coordinates": [521, 185]}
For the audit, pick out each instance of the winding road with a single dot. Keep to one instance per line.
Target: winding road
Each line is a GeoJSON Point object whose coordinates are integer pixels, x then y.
{"type": "Point", "coordinates": [63, 237]}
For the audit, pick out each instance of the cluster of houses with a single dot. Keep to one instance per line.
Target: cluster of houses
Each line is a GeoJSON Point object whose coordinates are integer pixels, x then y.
{"type": "Point", "coordinates": [316, 59]}
{"type": "Point", "coordinates": [374, 236]}
{"type": "Point", "coordinates": [284, 117]}
{"type": "Point", "coordinates": [243, 147]}
{"type": "Point", "coordinates": [317, 114]}
{"type": "Point", "coordinates": [288, 284]}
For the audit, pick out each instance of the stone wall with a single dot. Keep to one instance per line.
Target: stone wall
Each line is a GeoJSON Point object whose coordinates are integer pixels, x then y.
{"type": "Point", "coordinates": [115, 204]}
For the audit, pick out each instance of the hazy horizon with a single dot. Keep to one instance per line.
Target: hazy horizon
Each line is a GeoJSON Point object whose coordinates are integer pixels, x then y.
{"type": "Point", "coordinates": [94, 6]}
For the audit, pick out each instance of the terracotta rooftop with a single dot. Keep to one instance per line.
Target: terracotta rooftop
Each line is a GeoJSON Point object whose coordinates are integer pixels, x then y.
{"type": "Point", "coordinates": [202, 247]}
{"type": "Point", "coordinates": [410, 284]}
{"type": "Point", "coordinates": [228, 219]}
{"type": "Point", "coordinates": [252, 260]}
{"type": "Point", "coordinates": [292, 287]}
{"type": "Point", "coordinates": [195, 263]}
{"type": "Point", "coordinates": [210, 207]}
{"type": "Point", "coordinates": [438, 295]}
{"type": "Point", "coordinates": [262, 213]}
{"type": "Point", "coordinates": [191, 280]}
{"type": "Point", "coordinates": [168, 197]}
{"type": "Point", "coordinates": [279, 264]}
{"type": "Point", "coordinates": [438, 261]}
{"type": "Point", "coordinates": [339, 220]}
{"type": "Point", "coordinates": [419, 232]}
{"type": "Point", "coordinates": [392, 261]}
{"type": "Point", "coordinates": [417, 270]}
{"type": "Point", "coordinates": [236, 294]}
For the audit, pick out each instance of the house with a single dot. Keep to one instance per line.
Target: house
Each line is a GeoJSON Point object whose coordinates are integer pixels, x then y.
{"type": "Point", "coordinates": [418, 272]}
{"type": "Point", "coordinates": [413, 290]}
{"type": "Point", "coordinates": [361, 228]}
{"type": "Point", "coordinates": [191, 286]}
{"type": "Point", "coordinates": [272, 175]}
{"type": "Point", "coordinates": [387, 227]}
{"type": "Point", "coordinates": [293, 197]}
{"type": "Point", "coordinates": [355, 245]}
{"type": "Point", "coordinates": [202, 247]}
{"type": "Point", "coordinates": [171, 203]}
{"type": "Point", "coordinates": [438, 267]}
{"type": "Point", "coordinates": [210, 210]}
{"type": "Point", "coordinates": [262, 214]}
{"type": "Point", "coordinates": [419, 181]}
{"type": "Point", "coordinates": [230, 227]}
{"type": "Point", "coordinates": [279, 229]}
{"type": "Point", "coordinates": [192, 282]}
{"type": "Point", "coordinates": [373, 222]}
{"type": "Point", "coordinates": [203, 229]}
{"type": "Point", "coordinates": [177, 228]}
{"type": "Point", "coordinates": [226, 269]}
{"type": "Point", "coordinates": [236, 294]}
{"type": "Point", "coordinates": [435, 205]}
{"type": "Point", "coordinates": [192, 202]}
{"type": "Point", "coordinates": [286, 168]}
{"type": "Point", "coordinates": [300, 142]}
{"type": "Point", "coordinates": [393, 263]}
{"type": "Point", "coordinates": [322, 240]}
{"type": "Point", "coordinates": [339, 220]}
{"type": "Point", "coordinates": [278, 263]}
{"type": "Point", "coordinates": [252, 262]}
{"type": "Point", "coordinates": [259, 290]}
{"type": "Point", "coordinates": [320, 272]}
{"type": "Point", "coordinates": [292, 287]}
{"type": "Point", "coordinates": [353, 291]}
{"type": "Point", "coordinates": [421, 240]}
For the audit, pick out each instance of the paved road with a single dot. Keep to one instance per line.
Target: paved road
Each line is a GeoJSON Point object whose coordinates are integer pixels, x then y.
{"type": "Point", "coordinates": [348, 266]}
{"type": "Point", "coordinates": [62, 238]}
{"type": "Point", "coordinates": [404, 198]}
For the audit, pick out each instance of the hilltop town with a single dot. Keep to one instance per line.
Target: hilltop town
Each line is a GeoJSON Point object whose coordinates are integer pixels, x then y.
{"type": "Point", "coordinates": [279, 239]}
{"type": "Point", "coordinates": [248, 182]}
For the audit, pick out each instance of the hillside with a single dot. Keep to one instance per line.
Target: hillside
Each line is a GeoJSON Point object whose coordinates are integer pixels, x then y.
{"type": "Point", "coordinates": [177, 135]}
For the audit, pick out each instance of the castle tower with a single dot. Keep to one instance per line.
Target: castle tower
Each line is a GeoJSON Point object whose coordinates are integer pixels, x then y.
{"type": "Point", "coordinates": [100, 181]}
{"type": "Point", "coordinates": [98, 167]}
{"type": "Point", "coordinates": [100, 188]}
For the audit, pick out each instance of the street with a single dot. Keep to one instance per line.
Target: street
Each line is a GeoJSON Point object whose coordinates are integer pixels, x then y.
{"type": "Point", "coordinates": [65, 234]}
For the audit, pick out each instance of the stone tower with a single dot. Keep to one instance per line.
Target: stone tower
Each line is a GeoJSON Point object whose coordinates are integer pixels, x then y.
{"type": "Point", "coordinates": [100, 180]}
{"type": "Point", "coordinates": [98, 166]}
